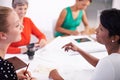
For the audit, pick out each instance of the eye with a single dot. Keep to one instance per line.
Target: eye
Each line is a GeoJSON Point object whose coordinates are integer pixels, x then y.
{"type": "Point", "coordinates": [80, 0]}
{"type": "Point", "coordinates": [18, 25]}
{"type": "Point", "coordinates": [25, 9]}
{"type": "Point", "coordinates": [101, 29]}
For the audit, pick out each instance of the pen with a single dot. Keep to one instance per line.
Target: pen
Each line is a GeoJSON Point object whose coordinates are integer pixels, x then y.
{"type": "Point", "coordinates": [26, 70]}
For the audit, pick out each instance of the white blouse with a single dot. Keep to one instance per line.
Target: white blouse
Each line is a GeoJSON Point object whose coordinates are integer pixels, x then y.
{"type": "Point", "coordinates": [108, 68]}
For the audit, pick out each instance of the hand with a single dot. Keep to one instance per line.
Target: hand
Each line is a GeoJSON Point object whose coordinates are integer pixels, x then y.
{"type": "Point", "coordinates": [23, 75]}
{"type": "Point", "coordinates": [75, 32]}
{"type": "Point", "coordinates": [84, 33]}
{"type": "Point", "coordinates": [24, 49]}
{"type": "Point", "coordinates": [41, 44]}
{"type": "Point", "coordinates": [31, 78]}
{"type": "Point", "coordinates": [55, 75]}
{"type": "Point", "coordinates": [88, 31]}
{"type": "Point", "coordinates": [70, 46]}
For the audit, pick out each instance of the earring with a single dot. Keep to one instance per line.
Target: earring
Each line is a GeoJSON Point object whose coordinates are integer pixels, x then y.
{"type": "Point", "coordinates": [113, 41]}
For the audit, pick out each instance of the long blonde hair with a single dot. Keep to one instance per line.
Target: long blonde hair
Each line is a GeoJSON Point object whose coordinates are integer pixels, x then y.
{"type": "Point", "coordinates": [4, 13]}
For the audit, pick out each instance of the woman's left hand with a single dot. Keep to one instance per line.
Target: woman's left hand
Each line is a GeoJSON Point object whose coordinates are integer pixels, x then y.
{"type": "Point", "coordinates": [41, 44]}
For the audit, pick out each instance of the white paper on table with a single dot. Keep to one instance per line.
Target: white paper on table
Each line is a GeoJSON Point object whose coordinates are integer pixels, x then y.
{"type": "Point", "coordinates": [91, 47]}
{"type": "Point", "coordinates": [52, 55]}
{"type": "Point", "coordinates": [40, 68]}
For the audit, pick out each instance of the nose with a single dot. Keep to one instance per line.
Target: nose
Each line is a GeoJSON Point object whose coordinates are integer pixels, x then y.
{"type": "Point", "coordinates": [96, 31]}
{"type": "Point", "coordinates": [21, 27]}
{"type": "Point", "coordinates": [23, 11]}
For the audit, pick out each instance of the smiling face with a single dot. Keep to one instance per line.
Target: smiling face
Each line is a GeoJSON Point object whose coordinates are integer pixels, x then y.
{"type": "Point", "coordinates": [102, 35]}
{"type": "Point", "coordinates": [14, 29]}
{"type": "Point", "coordinates": [82, 4]}
{"type": "Point", "coordinates": [21, 10]}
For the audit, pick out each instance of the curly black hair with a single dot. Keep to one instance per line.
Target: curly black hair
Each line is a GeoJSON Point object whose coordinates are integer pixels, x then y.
{"type": "Point", "coordinates": [110, 19]}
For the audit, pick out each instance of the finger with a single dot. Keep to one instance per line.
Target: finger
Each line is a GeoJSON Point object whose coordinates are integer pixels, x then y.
{"type": "Point", "coordinates": [68, 48]}
{"type": "Point", "coordinates": [66, 45]}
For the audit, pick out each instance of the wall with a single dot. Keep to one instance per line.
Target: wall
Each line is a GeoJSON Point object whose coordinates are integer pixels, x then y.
{"type": "Point", "coordinates": [116, 4]}
{"type": "Point", "coordinates": [5, 3]}
{"type": "Point", "coordinates": [45, 13]}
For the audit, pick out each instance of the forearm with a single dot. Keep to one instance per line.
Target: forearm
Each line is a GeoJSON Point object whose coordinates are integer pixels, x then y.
{"type": "Point", "coordinates": [62, 30]}
{"type": "Point", "coordinates": [14, 50]}
{"type": "Point", "coordinates": [67, 32]}
{"type": "Point", "coordinates": [91, 59]}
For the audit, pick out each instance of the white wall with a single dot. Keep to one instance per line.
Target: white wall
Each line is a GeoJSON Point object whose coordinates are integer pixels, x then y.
{"type": "Point", "coordinates": [116, 4]}
{"type": "Point", "coordinates": [44, 12]}
{"type": "Point", "coordinates": [5, 3]}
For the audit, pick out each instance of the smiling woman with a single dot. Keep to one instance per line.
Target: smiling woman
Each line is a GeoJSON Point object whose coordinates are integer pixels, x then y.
{"type": "Point", "coordinates": [108, 33]}
{"type": "Point", "coordinates": [20, 7]}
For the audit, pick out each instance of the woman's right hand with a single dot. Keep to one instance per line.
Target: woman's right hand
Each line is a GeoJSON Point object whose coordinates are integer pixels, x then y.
{"type": "Point", "coordinates": [25, 75]}
{"type": "Point", "coordinates": [24, 49]}
{"type": "Point", "coordinates": [70, 46]}
{"type": "Point", "coordinates": [75, 32]}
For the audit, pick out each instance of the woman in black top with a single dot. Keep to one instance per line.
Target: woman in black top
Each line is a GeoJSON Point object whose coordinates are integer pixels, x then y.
{"type": "Point", "coordinates": [10, 31]}
{"type": "Point", "coordinates": [7, 70]}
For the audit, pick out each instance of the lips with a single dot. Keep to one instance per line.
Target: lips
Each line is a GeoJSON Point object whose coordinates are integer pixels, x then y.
{"type": "Point", "coordinates": [97, 36]}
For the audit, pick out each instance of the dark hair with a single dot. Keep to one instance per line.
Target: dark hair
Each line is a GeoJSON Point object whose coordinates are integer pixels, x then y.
{"type": "Point", "coordinates": [19, 3]}
{"type": "Point", "coordinates": [90, 0]}
{"type": "Point", "coordinates": [110, 19]}
{"type": "Point", "coordinates": [4, 13]}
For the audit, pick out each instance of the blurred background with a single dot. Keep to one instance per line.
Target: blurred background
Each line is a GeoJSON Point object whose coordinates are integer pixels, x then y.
{"type": "Point", "coordinates": [44, 13]}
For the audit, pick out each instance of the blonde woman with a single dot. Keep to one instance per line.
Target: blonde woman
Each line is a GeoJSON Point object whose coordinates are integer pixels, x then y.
{"type": "Point", "coordinates": [10, 31]}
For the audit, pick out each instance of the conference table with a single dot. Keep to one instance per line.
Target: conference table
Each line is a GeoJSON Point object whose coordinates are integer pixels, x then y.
{"type": "Point", "coordinates": [70, 65]}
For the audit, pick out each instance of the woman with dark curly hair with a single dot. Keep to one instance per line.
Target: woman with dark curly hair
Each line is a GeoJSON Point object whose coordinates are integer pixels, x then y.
{"type": "Point", "coordinates": [108, 33]}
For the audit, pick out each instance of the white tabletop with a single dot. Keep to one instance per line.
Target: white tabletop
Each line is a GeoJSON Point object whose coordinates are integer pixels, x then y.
{"type": "Point", "coordinates": [70, 65]}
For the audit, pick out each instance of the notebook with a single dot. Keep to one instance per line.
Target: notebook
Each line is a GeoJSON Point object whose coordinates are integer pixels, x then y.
{"type": "Point", "coordinates": [17, 63]}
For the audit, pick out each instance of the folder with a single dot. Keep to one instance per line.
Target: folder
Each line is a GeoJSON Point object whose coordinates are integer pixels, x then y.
{"type": "Point", "coordinates": [17, 62]}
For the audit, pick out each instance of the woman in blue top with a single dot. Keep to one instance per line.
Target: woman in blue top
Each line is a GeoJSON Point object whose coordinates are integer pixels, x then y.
{"type": "Point", "coordinates": [71, 17]}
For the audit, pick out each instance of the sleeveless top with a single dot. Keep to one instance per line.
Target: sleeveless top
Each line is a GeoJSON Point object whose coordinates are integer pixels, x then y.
{"type": "Point", "coordinates": [70, 23]}
{"type": "Point", "coordinates": [7, 71]}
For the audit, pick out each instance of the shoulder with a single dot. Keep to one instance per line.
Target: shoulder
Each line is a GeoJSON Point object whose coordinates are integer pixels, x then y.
{"type": "Point", "coordinates": [107, 66]}
{"type": "Point", "coordinates": [109, 63]}
{"type": "Point", "coordinates": [83, 12]}
{"type": "Point", "coordinates": [7, 70]}
{"type": "Point", "coordinates": [4, 63]}
{"type": "Point", "coordinates": [27, 19]}
{"type": "Point", "coordinates": [63, 12]}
